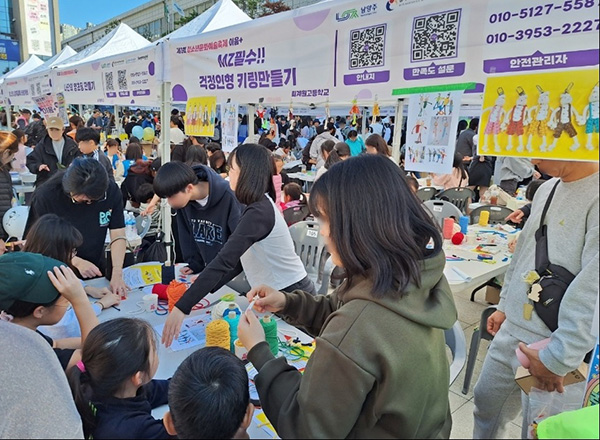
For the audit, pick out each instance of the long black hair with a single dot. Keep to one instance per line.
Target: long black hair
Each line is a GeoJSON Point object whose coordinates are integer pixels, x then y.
{"type": "Point", "coordinates": [458, 163]}
{"type": "Point", "coordinates": [340, 150]}
{"type": "Point", "coordinates": [113, 352]}
{"type": "Point", "coordinates": [380, 235]}
{"type": "Point", "coordinates": [257, 168]}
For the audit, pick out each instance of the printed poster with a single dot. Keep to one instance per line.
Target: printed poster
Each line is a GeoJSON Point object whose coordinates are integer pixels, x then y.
{"type": "Point", "coordinates": [200, 114]}
{"type": "Point", "coordinates": [52, 105]}
{"type": "Point", "coordinates": [229, 126]}
{"type": "Point", "coordinates": [546, 116]}
{"type": "Point", "coordinates": [431, 131]}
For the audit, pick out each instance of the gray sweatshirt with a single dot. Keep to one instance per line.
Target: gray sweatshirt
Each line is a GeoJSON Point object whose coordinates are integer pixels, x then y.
{"type": "Point", "coordinates": [35, 399]}
{"type": "Point", "coordinates": [572, 243]}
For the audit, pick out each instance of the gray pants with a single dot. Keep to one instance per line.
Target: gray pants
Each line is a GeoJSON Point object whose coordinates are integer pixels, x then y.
{"type": "Point", "coordinates": [496, 393]}
{"type": "Point", "coordinates": [305, 284]}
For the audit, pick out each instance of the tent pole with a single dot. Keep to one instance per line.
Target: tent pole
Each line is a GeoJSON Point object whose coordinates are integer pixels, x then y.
{"type": "Point", "coordinates": [165, 155]}
{"type": "Point", "coordinates": [364, 121]}
{"type": "Point", "coordinates": [118, 119]}
{"type": "Point", "coordinates": [8, 110]}
{"type": "Point", "coordinates": [398, 123]}
{"type": "Point", "coordinates": [251, 110]}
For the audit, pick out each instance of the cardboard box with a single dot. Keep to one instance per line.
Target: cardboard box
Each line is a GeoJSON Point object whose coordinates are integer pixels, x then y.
{"type": "Point", "coordinates": [492, 295]}
{"type": "Point", "coordinates": [526, 380]}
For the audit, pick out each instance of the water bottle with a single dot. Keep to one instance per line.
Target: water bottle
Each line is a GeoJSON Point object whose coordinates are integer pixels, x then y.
{"type": "Point", "coordinates": [130, 227]}
{"type": "Point", "coordinates": [313, 170]}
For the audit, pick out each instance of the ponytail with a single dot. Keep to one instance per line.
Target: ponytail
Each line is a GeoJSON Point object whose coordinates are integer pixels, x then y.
{"type": "Point", "coordinates": [339, 151]}
{"type": "Point", "coordinates": [294, 191]}
{"type": "Point", "coordinates": [82, 395]}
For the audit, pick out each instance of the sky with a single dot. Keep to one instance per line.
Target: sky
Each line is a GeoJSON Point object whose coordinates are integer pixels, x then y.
{"type": "Point", "coordinates": [78, 13]}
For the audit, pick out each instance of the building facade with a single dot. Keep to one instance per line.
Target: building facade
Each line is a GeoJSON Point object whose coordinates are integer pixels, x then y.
{"type": "Point", "coordinates": [150, 20]}
{"type": "Point", "coordinates": [67, 31]}
{"type": "Point", "coordinates": [10, 55]}
{"type": "Point", "coordinates": [35, 25]}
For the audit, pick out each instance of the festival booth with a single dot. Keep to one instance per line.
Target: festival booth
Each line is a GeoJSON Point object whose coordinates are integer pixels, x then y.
{"type": "Point", "coordinates": [12, 85]}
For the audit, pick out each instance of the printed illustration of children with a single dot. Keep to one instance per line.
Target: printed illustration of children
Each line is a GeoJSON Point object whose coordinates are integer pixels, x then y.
{"type": "Point", "coordinates": [538, 118]}
{"type": "Point", "coordinates": [419, 129]}
{"type": "Point", "coordinates": [591, 117]}
{"type": "Point", "coordinates": [562, 120]}
{"type": "Point", "coordinates": [515, 121]}
{"type": "Point", "coordinates": [493, 126]}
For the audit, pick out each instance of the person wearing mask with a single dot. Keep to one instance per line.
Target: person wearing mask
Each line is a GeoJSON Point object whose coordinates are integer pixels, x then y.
{"type": "Point", "coordinates": [23, 120]}
{"type": "Point", "coordinates": [85, 197]}
{"type": "Point", "coordinates": [464, 142]}
{"type": "Point", "coordinates": [316, 155]}
{"type": "Point", "coordinates": [89, 140]}
{"type": "Point", "coordinates": [56, 151]}
{"type": "Point", "coordinates": [35, 131]}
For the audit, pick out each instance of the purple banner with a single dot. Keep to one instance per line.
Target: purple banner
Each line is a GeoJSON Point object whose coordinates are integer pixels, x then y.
{"type": "Point", "coordinates": [541, 61]}
{"type": "Point", "coordinates": [111, 95]}
{"type": "Point", "coordinates": [367, 78]}
{"type": "Point", "coordinates": [434, 71]}
{"type": "Point", "coordinates": [141, 92]}
{"type": "Point", "coordinates": [123, 94]}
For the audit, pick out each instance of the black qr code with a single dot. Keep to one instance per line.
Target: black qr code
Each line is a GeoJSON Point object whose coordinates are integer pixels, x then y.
{"type": "Point", "coordinates": [109, 82]}
{"type": "Point", "coordinates": [435, 36]}
{"type": "Point", "coordinates": [122, 76]}
{"type": "Point", "coordinates": [367, 47]}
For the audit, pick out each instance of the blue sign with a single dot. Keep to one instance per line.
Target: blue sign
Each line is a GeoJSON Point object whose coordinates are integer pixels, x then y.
{"type": "Point", "coordinates": [9, 50]}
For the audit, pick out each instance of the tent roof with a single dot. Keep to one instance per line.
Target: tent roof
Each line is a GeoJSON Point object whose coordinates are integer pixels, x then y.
{"type": "Point", "coordinates": [120, 40]}
{"type": "Point", "coordinates": [23, 69]}
{"type": "Point", "coordinates": [222, 14]}
{"type": "Point", "coordinates": [61, 57]}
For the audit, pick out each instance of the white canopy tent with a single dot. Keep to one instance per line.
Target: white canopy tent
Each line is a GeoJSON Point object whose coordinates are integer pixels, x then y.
{"type": "Point", "coordinates": [11, 86]}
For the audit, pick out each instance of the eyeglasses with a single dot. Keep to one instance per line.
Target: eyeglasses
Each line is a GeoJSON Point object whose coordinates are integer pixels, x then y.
{"type": "Point", "coordinates": [87, 202]}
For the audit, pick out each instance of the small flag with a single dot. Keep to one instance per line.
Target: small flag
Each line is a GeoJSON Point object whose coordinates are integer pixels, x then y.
{"type": "Point", "coordinates": [178, 9]}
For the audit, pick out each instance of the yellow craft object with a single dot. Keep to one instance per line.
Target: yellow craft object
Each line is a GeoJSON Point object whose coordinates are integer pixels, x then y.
{"type": "Point", "coordinates": [217, 334]}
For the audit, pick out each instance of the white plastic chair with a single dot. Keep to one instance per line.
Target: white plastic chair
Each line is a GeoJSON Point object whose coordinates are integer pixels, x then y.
{"type": "Point", "coordinates": [310, 247]}
{"type": "Point", "coordinates": [456, 341]}
{"type": "Point", "coordinates": [14, 222]}
{"type": "Point", "coordinates": [440, 209]}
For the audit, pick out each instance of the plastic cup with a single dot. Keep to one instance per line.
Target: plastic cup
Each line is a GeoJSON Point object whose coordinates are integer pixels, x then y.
{"type": "Point", "coordinates": [150, 302]}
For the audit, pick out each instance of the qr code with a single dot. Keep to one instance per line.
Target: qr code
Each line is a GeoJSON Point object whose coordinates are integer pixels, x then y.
{"type": "Point", "coordinates": [435, 36]}
{"type": "Point", "coordinates": [367, 47]}
{"type": "Point", "coordinates": [109, 82]}
{"type": "Point", "coordinates": [122, 76]}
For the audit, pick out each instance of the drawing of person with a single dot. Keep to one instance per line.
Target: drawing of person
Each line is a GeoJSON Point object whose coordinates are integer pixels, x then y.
{"type": "Point", "coordinates": [562, 120]}
{"type": "Point", "coordinates": [538, 125]}
{"type": "Point", "coordinates": [516, 120]}
{"type": "Point", "coordinates": [591, 117]}
{"type": "Point", "coordinates": [493, 126]}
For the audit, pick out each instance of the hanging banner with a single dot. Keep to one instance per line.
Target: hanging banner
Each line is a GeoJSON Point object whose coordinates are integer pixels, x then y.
{"type": "Point", "coordinates": [128, 79]}
{"type": "Point", "coordinates": [431, 131]}
{"type": "Point", "coordinates": [358, 49]}
{"type": "Point", "coordinates": [549, 116]}
{"type": "Point", "coordinates": [52, 105]}
{"type": "Point", "coordinates": [229, 126]}
{"type": "Point", "coordinates": [200, 116]}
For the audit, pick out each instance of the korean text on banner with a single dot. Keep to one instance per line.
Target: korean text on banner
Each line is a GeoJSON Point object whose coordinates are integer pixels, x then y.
{"type": "Point", "coordinates": [229, 126]}
{"type": "Point", "coordinates": [200, 116]}
{"type": "Point", "coordinates": [430, 138]}
{"type": "Point", "coordinates": [52, 105]}
{"type": "Point", "coordinates": [547, 116]}
{"type": "Point", "coordinates": [362, 49]}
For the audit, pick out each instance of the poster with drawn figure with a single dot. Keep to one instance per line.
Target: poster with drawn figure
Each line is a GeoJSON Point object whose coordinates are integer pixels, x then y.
{"type": "Point", "coordinates": [229, 126]}
{"type": "Point", "coordinates": [201, 116]}
{"type": "Point", "coordinates": [432, 124]}
{"type": "Point", "coordinates": [546, 116]}
{"type": "Point", "coordinates": [192, 334]}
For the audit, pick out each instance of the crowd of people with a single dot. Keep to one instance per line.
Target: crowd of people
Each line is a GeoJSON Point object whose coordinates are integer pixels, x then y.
{"type": "Point", "coordinates": [96, 380]}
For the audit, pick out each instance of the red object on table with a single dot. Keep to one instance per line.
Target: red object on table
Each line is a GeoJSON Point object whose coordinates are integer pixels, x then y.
{"type": "Point", "coordinates": [161, 291]}
{"type": "Point", "coordinates": [458, 238]}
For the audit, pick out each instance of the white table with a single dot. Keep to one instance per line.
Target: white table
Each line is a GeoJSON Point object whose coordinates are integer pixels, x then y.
{"type": "Point", "coordinates": [307, 178]}
{"type": "Point", "coordinates": [479, 272]}
{"type": "Point", "coordinates": [169, 359]}
{"type": "Point", "coordinates": [292, 164]}
{"type": "Point", "coordinates": [23, 189]}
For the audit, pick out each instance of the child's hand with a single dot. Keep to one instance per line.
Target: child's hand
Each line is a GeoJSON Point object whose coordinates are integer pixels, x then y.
{"type": "Point", "coordinates": [186, 271]}
{"type": "Point", "coordinates": [109, 300]}
{"type": "Point", "coordinates": [516, 216]}
{"type": "Point", "coordinates": [67, 284]}
{"type": "Point", "coordinates": [250, 332]}
{"type": "Point", "coordinates": [96, 292]}
{"type": "Point", "coordinates": [267, 299]}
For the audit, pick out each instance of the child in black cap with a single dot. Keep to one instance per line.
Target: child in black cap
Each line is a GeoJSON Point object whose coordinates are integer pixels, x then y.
{"type": "Point", "coordinates": [37, 290]}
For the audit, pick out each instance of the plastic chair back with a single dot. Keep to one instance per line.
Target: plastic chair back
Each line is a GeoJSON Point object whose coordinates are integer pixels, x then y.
{"type": "Point", "coordinates": [498, 214]}
{"type": "Point", "coordinates": [459, 197]}
{"type": "Point", "coordinates": [14, 221]}
{"type": "Point", "coordinates": [456, 341]}
{"type": "Point", "coordinates": [440, 209]}
{"type": "Point", "coordinates": [310, 247]}
{"type": "Point", "coordinates": [296, 214]}
{"type": "Point", "coordinates": [426, 193]}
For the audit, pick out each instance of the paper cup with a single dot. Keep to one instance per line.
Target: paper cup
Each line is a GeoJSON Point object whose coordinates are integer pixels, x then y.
{"type": "Point", "coordinates": [240, 350]}
{"type": "Point", "coordinates": [150, 302]}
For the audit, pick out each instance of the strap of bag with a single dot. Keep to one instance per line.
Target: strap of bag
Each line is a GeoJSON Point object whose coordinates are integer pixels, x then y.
{"type": "Point", "coordinates": [542, 261]}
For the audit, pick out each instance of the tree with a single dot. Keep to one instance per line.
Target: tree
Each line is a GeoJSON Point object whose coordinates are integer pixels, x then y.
{"type": "Point", "coordinates": [270, 8]}
{"type": "Point", "coordinates": [186, 19]}
{"type": "Point", "coordinates": [112, 25]}
{"type": "Point", "coordinates": [251, 7]}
